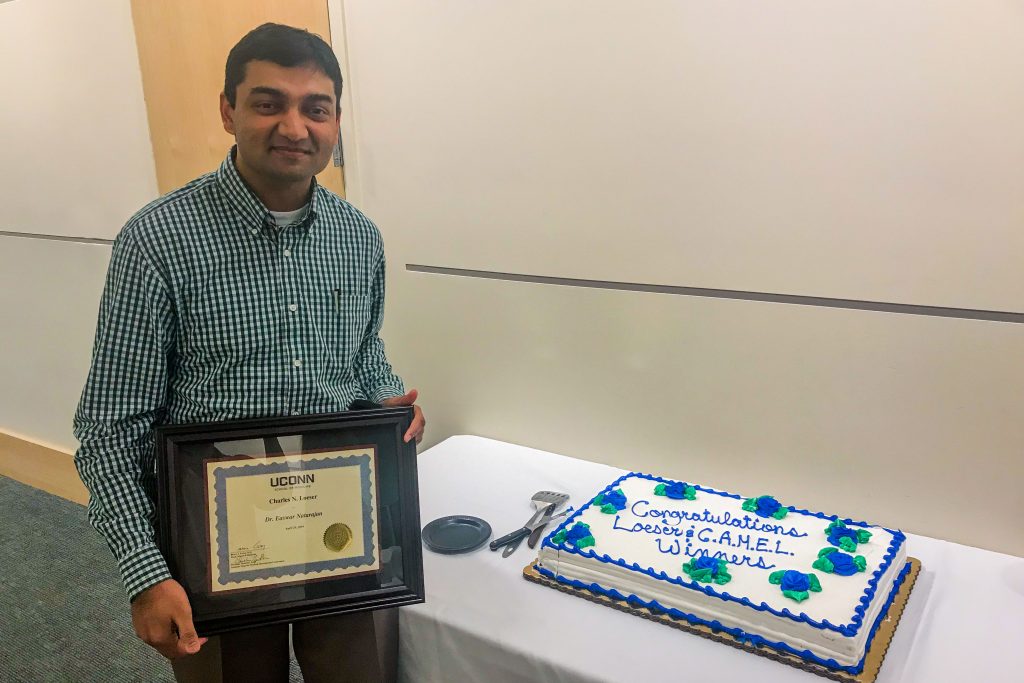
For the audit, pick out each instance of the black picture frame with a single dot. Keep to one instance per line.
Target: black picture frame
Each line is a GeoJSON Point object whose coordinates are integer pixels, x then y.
{"type": "Point", "coordinates": [367, 446]}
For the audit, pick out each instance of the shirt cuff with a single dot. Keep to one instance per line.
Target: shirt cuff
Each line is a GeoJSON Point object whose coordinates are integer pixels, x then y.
{"type": "Point", "coordinates": [143, 569]}
{"type": "Point", "coordinates": [386, 391]}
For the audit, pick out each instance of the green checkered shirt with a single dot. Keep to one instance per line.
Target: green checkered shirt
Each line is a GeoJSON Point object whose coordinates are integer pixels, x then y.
{"type": "Point", "coordinates": [210, 312]}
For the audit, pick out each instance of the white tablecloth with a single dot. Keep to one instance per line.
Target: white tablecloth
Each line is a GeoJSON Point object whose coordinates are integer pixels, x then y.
{"type": "Point", "coordinates": [483, 621]}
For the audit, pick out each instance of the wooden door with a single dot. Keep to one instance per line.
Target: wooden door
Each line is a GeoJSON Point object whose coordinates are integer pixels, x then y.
{"type": "Point", "coordinates": [182, 49]}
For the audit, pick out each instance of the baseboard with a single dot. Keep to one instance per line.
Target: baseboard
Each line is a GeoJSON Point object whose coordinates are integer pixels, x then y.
{"type": "Point", "coordinates": [41, 466]}
{"type": "Point", "coordinates": [34, 441]}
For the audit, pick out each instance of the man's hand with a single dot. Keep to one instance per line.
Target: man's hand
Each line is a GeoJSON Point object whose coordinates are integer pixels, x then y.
{"type": "Point", "coordinates": [162, 618]}
{"type": "Point", "coordinates": [418, 422]}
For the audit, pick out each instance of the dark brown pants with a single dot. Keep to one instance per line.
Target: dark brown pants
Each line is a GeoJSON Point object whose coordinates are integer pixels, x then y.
{"type": "Point", "coordinates": [356, 648]}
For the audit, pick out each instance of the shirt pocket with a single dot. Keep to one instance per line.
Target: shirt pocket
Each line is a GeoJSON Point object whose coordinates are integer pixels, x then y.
{"type": "Point", "coordinates": [347, 319]}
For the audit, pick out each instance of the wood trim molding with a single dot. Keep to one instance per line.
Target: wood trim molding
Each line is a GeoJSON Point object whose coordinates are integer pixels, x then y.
{"type": "Point", "coordinates": [44, 468]}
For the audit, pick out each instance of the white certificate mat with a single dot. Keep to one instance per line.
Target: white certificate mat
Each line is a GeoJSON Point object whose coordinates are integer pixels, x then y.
{"type": "Point", "coordinates": [292, 518]}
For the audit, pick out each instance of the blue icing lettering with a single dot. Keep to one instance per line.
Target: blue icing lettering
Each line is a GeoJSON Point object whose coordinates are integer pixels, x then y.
{"type": "Point", "coordinates": [731, 558]}
{"type": "Point", "coordinates": [673, 516]}
{"type": "Point", "coordinates": [672, 549]}
{"type": "Point", "coordinates": [745, 549]}
{"type": "Point", "coordinates": [641, 527]}
{"type": "Point", "coordinates": [643, 508]}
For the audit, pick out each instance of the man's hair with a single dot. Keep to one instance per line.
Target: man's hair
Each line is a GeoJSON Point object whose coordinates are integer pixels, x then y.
{"type": "Point", "coordinates": [285, 46]}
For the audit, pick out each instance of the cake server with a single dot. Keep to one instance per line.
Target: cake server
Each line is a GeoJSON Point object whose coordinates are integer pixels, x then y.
{"type": "Point", "coordinates": [513, 539]}
{"type": "Point", "coordinates": [541, 501]}
{"type": "Point", "coordinates": [535, 534]}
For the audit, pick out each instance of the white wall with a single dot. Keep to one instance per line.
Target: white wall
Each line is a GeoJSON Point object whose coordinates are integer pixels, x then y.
{"type": "Point", "coordinates": [77, 162]}
{"type": "Point", "coordinates": [76, 156]}
{"type": "Point", "coordinates": [914, 422]}
{"type": "Point", "coordinates": [49, 298]}
{"type": "Point", "coordinates": [858, 150]}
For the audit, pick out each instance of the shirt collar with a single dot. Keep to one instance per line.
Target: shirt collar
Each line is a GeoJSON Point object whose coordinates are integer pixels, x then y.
{"type": "Point", "coordinates": [247, 205]}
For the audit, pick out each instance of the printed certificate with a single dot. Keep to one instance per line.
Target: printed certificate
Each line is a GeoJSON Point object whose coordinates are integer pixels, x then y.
{"type": "Point", "coordinates": [292, 518]}
{"type": "Point", "coordinates": [283, 518]}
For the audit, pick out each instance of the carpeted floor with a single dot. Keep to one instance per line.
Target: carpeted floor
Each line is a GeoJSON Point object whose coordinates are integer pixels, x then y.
{"type": "Point", "coordinates": [63, 614]}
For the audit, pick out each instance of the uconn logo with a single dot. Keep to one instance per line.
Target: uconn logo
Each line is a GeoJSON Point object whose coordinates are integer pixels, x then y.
{"type": "Point", "coordinates": [292, 480]}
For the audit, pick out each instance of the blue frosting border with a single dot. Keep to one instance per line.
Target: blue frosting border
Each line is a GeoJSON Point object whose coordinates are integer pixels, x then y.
{"type": "Point", "coordinates": [221, 475]}
{"type": "Point", "coordinates": [849, 630]}
{"type": "Point", "coordinates": [738, 633]}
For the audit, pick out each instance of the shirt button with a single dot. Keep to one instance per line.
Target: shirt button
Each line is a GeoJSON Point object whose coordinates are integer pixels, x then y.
{"type": "Point", "coordinates": [297, 363]}
{"type": "Point", "coordinates": [287, 252]}
{"type": "Point", "coordinates": [293, 307]}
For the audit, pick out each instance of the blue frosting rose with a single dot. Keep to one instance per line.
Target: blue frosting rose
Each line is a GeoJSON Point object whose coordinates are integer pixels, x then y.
{"type": "Point", "coordinates": [795, 585]}
{"type": "Point", "coordinates": [843, 564]}
{"type": "Point", "coordinates": [837, 534]}
{"type": "Point", "coordinates": [615, 498]}
{"type": "Point", "coordinates": [707, 562]}
{"type": "Point", "coordinates": [795, 581]}
{"type": "Point", "coordinates": [707, 569]}
{"type": "Point", "coordinates": [767, 506]}
{"type": "Point", "coordinates": [675, 490]}
{"type": "Point", "coordinates": [577, 533]}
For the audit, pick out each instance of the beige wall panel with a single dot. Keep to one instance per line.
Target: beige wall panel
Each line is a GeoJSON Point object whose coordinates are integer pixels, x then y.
{"type": "Point", "coordinates": [863, 150]}
{"type": "Point", "coordinates": [75, 157]}
{"type": "Point", "coordinates": [183, 46]}
{"type": "Point", "coordinates": [49, 299]}
{"type": "Point", "coordinates": [909, 421]}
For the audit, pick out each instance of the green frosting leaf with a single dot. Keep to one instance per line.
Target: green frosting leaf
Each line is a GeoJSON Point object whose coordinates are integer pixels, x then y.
{"type": "Point", "coordinates": [702, 575]}
{"type": "Point", "coordinates": [799, 596]}
{"type": "Point", "coordinates": [781, 513]}
{"type": "Point", "coordinates": [599, 500]}
{"type": "Point", "coordinates": [863, 535]}
{"type": "Point", "coordinates": [690, 493]}
{"type": "Point", "coordinates": [559, 537]}
{"type": "Point", "coordinates": [824, 564]}
{"type": "Point", "coordinates": [585, 542]}
{"type": "Point", "coordinates": [750, 504]}
{"type": "Point", "coordinates": [827, 551]}
{"type": "Point", "coordinates": [815, 584]}
{"type": "Point", "coordinates": [861, 563]}
{"type": "Point", "coordinates": [776, 577]}
{"type": "Point", "coordinates": [608, 509]}
{"type": "Point", "coordinates": [659, 490]}
{"type": "Point", "coordinates": [847, 544]}
{"type": "Point", "coordinates": [705, 575]}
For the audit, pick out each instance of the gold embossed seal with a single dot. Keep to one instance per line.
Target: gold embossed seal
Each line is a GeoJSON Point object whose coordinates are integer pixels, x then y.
{"type": "Point", "coordinates": [337, 537]}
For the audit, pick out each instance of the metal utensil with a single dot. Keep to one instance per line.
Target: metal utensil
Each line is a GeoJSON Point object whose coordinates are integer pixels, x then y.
{"type": "Point", "coordinates": [536, 533]}
{"type": "Point", "coordinates": [513, 545]}
{"type": "Point", "coordinates": [513, 539]}
{"type": "Point", "coordinates": [541, 501]}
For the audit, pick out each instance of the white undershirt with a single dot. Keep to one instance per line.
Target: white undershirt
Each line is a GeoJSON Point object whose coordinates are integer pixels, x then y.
{"type": "Point", "coordinates": [286, 218]}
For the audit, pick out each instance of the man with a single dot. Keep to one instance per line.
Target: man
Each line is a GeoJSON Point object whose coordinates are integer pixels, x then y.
{"type": "Point", "coordinates": [251, 291]}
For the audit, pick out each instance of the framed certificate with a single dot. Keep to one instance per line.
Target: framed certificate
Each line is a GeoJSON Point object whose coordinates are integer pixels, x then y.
{"type": "Point", "coordinates": [281, 519]}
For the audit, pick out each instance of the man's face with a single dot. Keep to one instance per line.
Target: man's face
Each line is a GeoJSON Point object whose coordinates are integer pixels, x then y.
{"type": "Point", "coordinates": [285, 122]}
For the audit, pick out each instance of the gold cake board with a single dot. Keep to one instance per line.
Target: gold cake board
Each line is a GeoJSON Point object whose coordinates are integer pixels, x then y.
{"type": "Point", "coordinates": [872, 662]}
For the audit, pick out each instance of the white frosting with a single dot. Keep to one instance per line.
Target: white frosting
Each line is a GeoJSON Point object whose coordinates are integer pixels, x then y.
{"type": "Point", "coordinates": [660, 534]}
